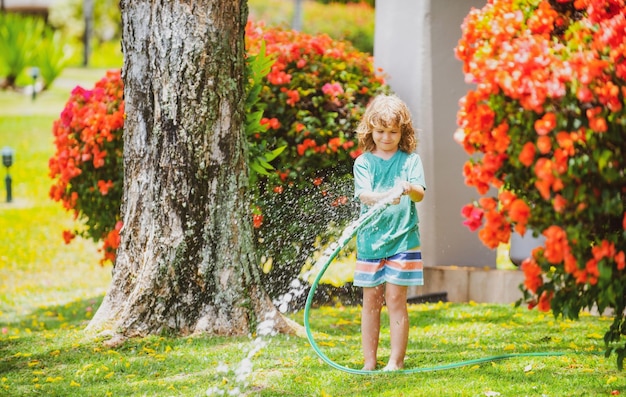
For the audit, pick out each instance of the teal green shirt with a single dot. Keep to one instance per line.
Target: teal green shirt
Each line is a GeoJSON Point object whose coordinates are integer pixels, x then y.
{"type": "Point", "coordinates": [397, 228]}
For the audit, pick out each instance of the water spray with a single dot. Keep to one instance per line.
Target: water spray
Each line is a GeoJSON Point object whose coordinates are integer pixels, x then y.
{"type": "Point", "coordinates": [324, 262]}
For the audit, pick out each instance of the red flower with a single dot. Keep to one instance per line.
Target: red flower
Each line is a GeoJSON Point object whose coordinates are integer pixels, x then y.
{"type": "Point", "coordinates": [544, 301]}
{"type": "Point", "coordinates": [68, 236]}
{"type": "Point", "coordinates": [532, 274]}
{"type": "Point", "coordinates": [584, 94]}
{"type": "Point", "coordinates": [592, 272]}
{"type": "Point", "coordinates": [527, 155]}
{"type": "Point", "coordinates": [272, 123]}
{"type": "Point", "coordinates": [496, 230]}
{"type": "Point", "coordinates": [556, 244]}
{"type": "Point", "coordinates": [559, 203]}
{"type": "Point", "coordinates": [104, 187]}
{"type": "Point", "coordinates": [546, 124]}
{"type": "Point", "coordinates": [544, 144]}
{"type": "Point", "coordinates": [620, 260]}
{"type": "Point", "coordinates": [294, 97]}
{"type": "Point", "coordinates": [519, 213]}
{"type": "Point", "coordinates": [334, 144]}
{"type": "Point", "coordinates": [257, 220]}
{"type": "Point", "coordinates": [305, 145]}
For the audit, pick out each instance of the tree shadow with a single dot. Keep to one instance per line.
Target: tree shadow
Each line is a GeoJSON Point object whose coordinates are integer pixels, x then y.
{"type": "Point", "coordinates": [20, 334]}
{"type": "Point", "coordinates": [74, 314]}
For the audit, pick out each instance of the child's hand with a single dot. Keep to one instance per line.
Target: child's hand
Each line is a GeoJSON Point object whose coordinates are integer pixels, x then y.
{"type": "Point", "coordinates": [396, 190]}
{"type": "Point", "coordinates": [415, 192]}
{"type": "Point", "coordinates": [406, 188]}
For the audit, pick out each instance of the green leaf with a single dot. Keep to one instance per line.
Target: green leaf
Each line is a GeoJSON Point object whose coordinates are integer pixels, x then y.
{"type": "Point", "coordinates": [256, 167]}
{"type": "Point", "coordinates": [274, 153]}
{"type": "Point", "coordinates": [604, 159]}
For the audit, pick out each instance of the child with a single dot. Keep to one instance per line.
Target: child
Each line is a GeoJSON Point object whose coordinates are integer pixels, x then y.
{"type": "Point", "coordinates": [388, 249]}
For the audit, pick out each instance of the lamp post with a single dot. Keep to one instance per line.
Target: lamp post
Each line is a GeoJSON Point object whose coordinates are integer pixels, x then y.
{"type": "Point", "coordinates": [7, 161]}
{"type": "Point", "coordinates": [34, 73]}
{"type": "Point", "coordinates": [296, 23]}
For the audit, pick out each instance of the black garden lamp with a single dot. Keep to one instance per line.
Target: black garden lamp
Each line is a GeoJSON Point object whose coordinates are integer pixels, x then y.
{"type": "Point", "coordinates": [34, 73]}
{"type": "Point", "coordinates": [7, 161]}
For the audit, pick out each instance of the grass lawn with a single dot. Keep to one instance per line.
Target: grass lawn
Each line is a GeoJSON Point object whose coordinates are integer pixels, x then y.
{"type": "Point", "coordinates": [49, 291]}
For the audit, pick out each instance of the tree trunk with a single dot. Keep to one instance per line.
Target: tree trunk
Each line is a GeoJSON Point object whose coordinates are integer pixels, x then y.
{"type": "Point", "coordinates": [186, 261]}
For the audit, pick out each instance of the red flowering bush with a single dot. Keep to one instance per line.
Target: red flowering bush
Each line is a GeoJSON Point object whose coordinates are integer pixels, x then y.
{"type": "Point", "coordinates": [301, 153]}
{"type": "Point", "coordinates": [545, 126]}
{"type": "Point", "coordinates": [313, 97]}
{"type": "Point", "coordinates": [314, 94]}
{"type": "Point", "coordinates": [87, 165]}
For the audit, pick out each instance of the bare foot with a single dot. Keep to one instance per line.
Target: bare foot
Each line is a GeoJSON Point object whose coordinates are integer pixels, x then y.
{"type": "Point", "coordinates": [369, 367]}
{"type": "Point", "coordinates": [393, 367]}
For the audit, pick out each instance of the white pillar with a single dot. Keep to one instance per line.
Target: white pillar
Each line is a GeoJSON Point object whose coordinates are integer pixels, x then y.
{"type": "Point", "coordinates": [414, 45]}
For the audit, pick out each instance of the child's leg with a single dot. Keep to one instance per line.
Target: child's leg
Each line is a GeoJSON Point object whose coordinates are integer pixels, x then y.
{"type": "Point", "coordinates": [370, 324]}
{"type": "Point", "coordinates": [395, 297]}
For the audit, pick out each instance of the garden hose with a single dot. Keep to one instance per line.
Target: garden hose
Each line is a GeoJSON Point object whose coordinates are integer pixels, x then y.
{"type": "Point", "coordinates": [347, 235]}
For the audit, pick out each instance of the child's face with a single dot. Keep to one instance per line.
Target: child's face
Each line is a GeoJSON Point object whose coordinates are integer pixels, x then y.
{"type": "Point", "coordinates": [386, 139]}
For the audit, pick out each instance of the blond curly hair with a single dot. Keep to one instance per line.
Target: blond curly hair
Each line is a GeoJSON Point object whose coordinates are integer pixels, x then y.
{"type": "Point", "coordinates": [386, 111]}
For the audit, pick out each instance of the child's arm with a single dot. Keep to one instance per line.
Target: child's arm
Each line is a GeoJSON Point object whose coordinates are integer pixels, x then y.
{"type": "Point", "coordinates": [371, 198]}
{"type": "Point", "coordinates": [415, 192]}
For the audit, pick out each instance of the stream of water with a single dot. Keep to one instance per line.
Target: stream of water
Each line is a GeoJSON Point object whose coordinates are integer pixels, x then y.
{"type": "Point", "coordinates": [237, 377]}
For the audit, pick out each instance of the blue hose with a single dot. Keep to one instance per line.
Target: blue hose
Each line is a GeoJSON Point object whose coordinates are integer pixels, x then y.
{"type": "Point", "coordinates": [347, 235]}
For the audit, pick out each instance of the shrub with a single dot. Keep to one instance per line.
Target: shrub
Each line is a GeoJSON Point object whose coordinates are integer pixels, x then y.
{"type": "Point", "coordinates": [53, 56]}
{"type": "Point", "coordinates": [314, 95]}
{"type": "Point", "coordinates": [315, 92]}
{"type": "Point", "coordinates": [25, 42]}
{"type": "Point", "coordinates": [312, 98]}
{"type": "Point", "coordinates": [19, 38]}
{"type": "Point", "coordinates": [87, 165]}
{"type": "Point", "coordinates": [547, 119]}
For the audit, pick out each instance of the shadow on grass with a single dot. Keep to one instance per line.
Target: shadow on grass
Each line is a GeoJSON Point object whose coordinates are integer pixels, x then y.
{"type": "Point", "coordinates": [49, 344]}
{"type": "Point", "coordinates": [37, 331]}
{"type": "Point", "coordinates": [71, 315]}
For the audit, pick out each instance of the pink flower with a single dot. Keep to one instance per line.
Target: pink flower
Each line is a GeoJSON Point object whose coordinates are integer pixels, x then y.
{"type": "Point", "coordinates": [332, 89]}
{"type": "Point", "coordinates": [474, 216]}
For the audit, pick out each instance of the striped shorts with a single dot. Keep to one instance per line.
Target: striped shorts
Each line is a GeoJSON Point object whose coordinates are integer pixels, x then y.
{"type": "Point", "coordinates": [405, 268]}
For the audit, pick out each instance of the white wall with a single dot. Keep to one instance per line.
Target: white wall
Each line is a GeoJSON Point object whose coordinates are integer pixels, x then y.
{"type": "Point", "coordinates": [414, 44]}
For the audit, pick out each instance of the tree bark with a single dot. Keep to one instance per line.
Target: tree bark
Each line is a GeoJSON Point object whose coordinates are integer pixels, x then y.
{"type": "Point", "coordinates": [186, 261]}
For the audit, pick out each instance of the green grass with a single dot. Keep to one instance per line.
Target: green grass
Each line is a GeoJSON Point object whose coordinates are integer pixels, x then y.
{"type": "Point", "coordinates": [49, 291]}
